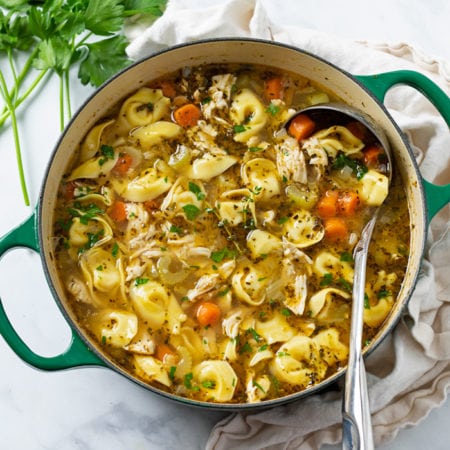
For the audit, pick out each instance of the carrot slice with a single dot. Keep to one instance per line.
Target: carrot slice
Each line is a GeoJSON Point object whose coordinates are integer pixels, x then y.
{"type": "Point", "coordinates": [372, 155]}
{"type": "Point", "coordinates": [348, 202]}
{"type": "Point", "coordinates": [357, 129]}
{"type": "Point", "coordinates": [273, 88]}
{"type": "Point", "coordinates": [208, 313]}
{"type": "Point", "coordinates": [123, 164]}
{"type": "Point", "coordinates": [335, 228]}
{"type": "Point", "coordinates": [118, 211]}
{"type": "Point", "coordinates": [301, 127]}
{"type": "Point", "coordinates": [187, 115]}
{"type": "Point", "coordinates": [163, 350]}
{"type": "Point", "coordinates": [327, 205]}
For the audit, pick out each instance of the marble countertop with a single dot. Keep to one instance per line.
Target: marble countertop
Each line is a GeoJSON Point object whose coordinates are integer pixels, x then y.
{"type": "Point", "coordinates": [97, 409]}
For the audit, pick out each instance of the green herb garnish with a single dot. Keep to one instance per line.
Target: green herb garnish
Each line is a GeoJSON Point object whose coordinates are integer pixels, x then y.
{"type": "Point", "coordinates": [219, 255]}
{"type": "Point", "coordinates": [239, 129]}
{"type": "Point", "coordinates": [191, 211]}
{"type": "Point", "coordinates": [326, 280]}
{"type": "Point", "coordinates": [273, 109]}
{"type": "Point", "coordinates": [140, 281]}
{"type": "Point", "coordinates": [358, 168]}
{"type": "Point", "coordinates": [196, 190]}
{"type": "Point", "coordinates": [40, 38]}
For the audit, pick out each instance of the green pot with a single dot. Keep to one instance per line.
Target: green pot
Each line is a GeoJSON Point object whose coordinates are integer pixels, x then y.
{"type": "Point", "coordinates": [364, 92]}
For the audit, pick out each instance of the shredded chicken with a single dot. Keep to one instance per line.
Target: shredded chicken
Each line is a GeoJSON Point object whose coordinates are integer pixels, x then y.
{"type": "Point", "coordinates": [205, 284]}
{"type": "Point", "coordinates": [79, 290]}
{"type": "Point", "coordinates": [291, 161]}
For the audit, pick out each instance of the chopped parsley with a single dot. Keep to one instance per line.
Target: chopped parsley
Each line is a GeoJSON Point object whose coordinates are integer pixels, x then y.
{"type": "Point", "coordinates": [191, 211]}
{"type": "Point", "coordinates": [85, 212]}
{"type": "Point", "coordinates": [107, 152]}
{"type": "Point", "coordinates": [239, 129]}
{"type": "Point", "coordinates": [219, 255]}
{"type": "Point", "coordinates": [273, 109]}
{"type": "Point", "coordinates": [359, 169]}
{"type": "Point", "coordinates": [140, 281]}
{"type": "Point", "coordinates": [327, 279]}
{"type": "Point", "coordinates": [196, 190]}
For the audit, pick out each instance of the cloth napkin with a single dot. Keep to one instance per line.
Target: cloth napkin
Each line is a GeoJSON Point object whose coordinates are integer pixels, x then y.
{"type": "Point", "coordinates": [409, 373]}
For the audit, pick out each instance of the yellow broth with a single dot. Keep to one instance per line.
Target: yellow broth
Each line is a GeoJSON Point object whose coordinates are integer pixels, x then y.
{"type": "Point", "coordinates": [196, 242]}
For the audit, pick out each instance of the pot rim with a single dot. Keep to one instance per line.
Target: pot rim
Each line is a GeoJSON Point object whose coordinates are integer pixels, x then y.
{"type": "Point", "coordinates": [328, 383]}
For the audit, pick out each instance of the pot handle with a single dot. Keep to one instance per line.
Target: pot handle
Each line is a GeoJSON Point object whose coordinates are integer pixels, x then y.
{"type": "Point", "coordinates": [437, 196]}
{"type": "Point", "coordinates": [77, 354]}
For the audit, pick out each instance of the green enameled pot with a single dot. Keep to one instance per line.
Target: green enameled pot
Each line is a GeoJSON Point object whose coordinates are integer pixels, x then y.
{"type": "Point", "coordinates": [364, 92]}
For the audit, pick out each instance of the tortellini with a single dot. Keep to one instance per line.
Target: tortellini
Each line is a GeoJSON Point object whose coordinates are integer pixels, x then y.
{"type": "Point", "coordinates": [374, 188]}
{"type": "Point", "coordinates": [328, 263]}
{"type": "Point", "coordinates": [298, 362]}
{"type": "Point", "coordinates": [92, 141]}
{"type": "Point", "coordinates": [261, 177]}
{"type": "Point", "coordinates": [216, 380]}
{"type": "Point", "coordinates": [303, 229]}
{"type": "Point", "coordinates": [147, 186]}
{"type": "Point", "coordinates": [248, 284]}
{"type": "Point", "coordinates": [338, 138]}
{"type": "Point", "coordinates": [262, 243]}
{"type": "Point", "coordinates": [209, 166]}
{"type": "Point", "coordinates": [152, 369]}
{"type": "Point", "coordinates": [154, 133]}
{"type": "Point", "coordinates": [102, 271]}
{"type": "Point", "coordinates": [236, 207]}
{"type": "Point", "coordinates": [150, 301]}
{"type": "Point", "coordinates": [249, 113]}
{"type": "Point", "coordinates": [144, 107]}
{"type": "Point", "coordinates": [115, 327]}
{"type": "Point", "coordinates": [94, 167]}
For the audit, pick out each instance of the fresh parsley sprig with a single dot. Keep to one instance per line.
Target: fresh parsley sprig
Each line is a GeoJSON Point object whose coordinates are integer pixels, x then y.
{"type": "Point", "coordinates": [44, 37]}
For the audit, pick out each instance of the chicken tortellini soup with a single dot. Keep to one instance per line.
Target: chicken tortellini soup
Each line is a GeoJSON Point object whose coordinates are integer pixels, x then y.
{"type": "Point", "coordinates": [208, 249]}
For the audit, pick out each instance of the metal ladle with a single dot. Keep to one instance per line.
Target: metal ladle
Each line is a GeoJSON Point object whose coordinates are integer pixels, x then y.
{"type": "Point", "coordinates": [356, 420]}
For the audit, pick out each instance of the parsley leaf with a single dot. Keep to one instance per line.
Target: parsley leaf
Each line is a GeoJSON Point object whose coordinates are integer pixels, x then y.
{"type": "Point", "coordinates": [104, 59]}
{"type": "Point", "coordinates": [358, 168]}
{"type": "Point", "coordinates": [104, 17]}
{"type": "Point", "coordinates": [191, 211]}
{"type": "Point", "coordinates": [196, 190]}
{"type": "Point", "coordinates": [219, 255]}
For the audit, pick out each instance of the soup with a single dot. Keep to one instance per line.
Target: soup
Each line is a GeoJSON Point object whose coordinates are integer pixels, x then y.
{"type": "Point", "coordinates": [208, 249]}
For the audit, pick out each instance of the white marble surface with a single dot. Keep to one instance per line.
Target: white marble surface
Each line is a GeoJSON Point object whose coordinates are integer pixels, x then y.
{"type": "Point", "coordinates": [97, 409]}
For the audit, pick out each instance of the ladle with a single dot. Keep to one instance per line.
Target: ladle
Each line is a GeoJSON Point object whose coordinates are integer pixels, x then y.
{"type": "Point", "coordinates": [356, 420]}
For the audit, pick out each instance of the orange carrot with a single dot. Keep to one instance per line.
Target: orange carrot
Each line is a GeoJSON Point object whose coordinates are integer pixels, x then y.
{"type": "Point", "coordinates": [273, 88]}
{"type": "Point", "coordinates": [187, 115]}
{"type": "Point", "coordinates": [163, 350]}
{"type": "Point", "coordinates": [301, 127]}
{"type": "Point", "coordinates": [208, 313]}
{"type": "Point", "coordinates": [335, 228]}
{"type": "Point", "coordinates": [168, 88]}
{"type": "Point", "coordinates": [327, 205]}
{"type": "Point", "coordinates": [69, 190]}
{"type": "Point", "coordinates": [372, 155]}
{"type": "Point", "coordinates": [357, 129]}
{"type": "Point", "coordinates": [347, 203]}
{"type": "Point", "coordinates": [123, 164]}
{"type": "Point", "coordinates": [118, 211]}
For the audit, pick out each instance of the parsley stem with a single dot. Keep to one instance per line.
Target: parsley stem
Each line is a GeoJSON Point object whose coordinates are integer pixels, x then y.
{"type": "Point", "coordinates": [61, 102]}
{"type": "Point", "coordinates": [67, 94]}
{"type": "Point", "coordinates": [6, 111]}
{"type": "Point", "coordinates": [7, 97]}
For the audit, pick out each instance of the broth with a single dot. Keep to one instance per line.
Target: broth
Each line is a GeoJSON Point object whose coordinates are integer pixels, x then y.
{"type": "Point", "coordinates": [208, 250]}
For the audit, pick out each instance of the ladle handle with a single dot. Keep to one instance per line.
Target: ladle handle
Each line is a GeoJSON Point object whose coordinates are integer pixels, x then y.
{"type": "Point", "coordinates": [437, 196]}
{"type": "Point", "coordinates": [77, 354]}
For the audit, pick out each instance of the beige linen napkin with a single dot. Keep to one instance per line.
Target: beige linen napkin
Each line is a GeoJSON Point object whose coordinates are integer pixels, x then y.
{"type": "Point", "coordinates": [410, 372]}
